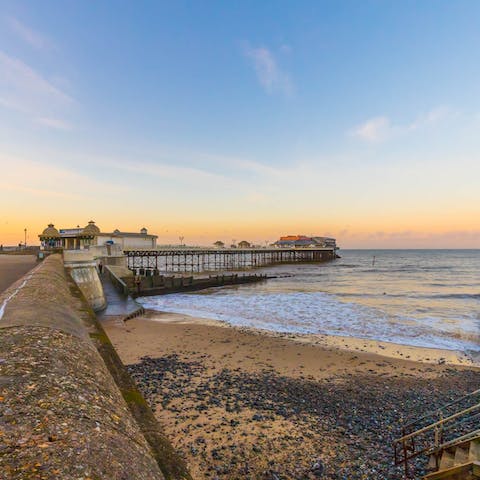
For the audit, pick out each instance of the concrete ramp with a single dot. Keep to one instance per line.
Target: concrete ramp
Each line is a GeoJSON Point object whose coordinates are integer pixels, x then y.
{"type": "Point", "coordinates": [118, 304]}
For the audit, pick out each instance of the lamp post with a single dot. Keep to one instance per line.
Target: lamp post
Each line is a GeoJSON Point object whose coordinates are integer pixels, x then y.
{"type": "Point", "coordinates": [25, 243]}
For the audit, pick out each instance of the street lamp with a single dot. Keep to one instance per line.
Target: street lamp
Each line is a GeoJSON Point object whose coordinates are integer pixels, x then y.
{"type": "Point", "coordinates": [25, 243]}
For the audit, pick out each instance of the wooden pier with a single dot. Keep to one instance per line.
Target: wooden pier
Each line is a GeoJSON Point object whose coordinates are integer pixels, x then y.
{"type": "Point", "coordinates": [207, 260]}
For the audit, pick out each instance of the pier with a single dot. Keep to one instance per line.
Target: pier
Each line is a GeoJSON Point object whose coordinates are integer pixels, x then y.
{"type": "Point", "coordinates": [205, 260]}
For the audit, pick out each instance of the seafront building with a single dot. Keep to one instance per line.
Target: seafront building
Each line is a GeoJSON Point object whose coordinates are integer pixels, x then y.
{"type": "Point", "coordinates": [244, 244]}
{"type": "Point", "coordinates": [82, 238]}
{"type": "Point", "coordinates": [302, 241]}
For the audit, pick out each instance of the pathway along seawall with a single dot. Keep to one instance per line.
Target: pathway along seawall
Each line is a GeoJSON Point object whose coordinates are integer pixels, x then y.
{"type": "Point", "coordinates": [68, 408]}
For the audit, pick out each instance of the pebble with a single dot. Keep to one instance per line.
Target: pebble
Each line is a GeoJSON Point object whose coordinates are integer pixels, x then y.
{"type": "Point", "coordinates": [266, 426]}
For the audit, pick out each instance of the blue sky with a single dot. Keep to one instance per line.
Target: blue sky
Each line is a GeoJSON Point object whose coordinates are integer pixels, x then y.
{"type": "Point", "coordinates": [243, 119]}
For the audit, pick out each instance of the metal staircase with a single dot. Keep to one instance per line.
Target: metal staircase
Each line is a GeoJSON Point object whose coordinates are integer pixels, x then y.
{"type": "Point", "coordinates": [449, 436]}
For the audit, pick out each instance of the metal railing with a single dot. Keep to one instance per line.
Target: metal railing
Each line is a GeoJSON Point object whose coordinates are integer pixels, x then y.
{"type": "Point", "coordinates": [452, 424]}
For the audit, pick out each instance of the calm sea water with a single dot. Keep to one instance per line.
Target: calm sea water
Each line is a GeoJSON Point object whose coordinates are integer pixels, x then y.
{"type": "Point", "coordinates": [426, 298]}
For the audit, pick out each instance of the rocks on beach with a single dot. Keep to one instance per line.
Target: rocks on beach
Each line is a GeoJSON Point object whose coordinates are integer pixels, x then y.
{"type": "Point", "coordinates": [235, 424]}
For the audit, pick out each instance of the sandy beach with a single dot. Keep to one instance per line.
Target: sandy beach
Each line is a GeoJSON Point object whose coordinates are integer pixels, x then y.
{"type": "Point", "coordinates": [13, 267]}
{"type": "Point", "coordinates": [243, 404]}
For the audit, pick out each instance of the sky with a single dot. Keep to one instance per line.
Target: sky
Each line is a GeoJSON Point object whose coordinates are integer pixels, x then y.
{"type": "Point", "coordinates": [243, 120]}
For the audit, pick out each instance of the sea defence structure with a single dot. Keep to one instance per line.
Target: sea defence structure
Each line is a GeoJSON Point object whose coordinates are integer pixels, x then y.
{"type": "Point", "coordinates": [68, 408]}
{"type": "Point", "coordinates": [211, 259]}
{"type": "Point", "coordinates": [150, 282]}
{"type": "Point", "coordinates": [82, 267]}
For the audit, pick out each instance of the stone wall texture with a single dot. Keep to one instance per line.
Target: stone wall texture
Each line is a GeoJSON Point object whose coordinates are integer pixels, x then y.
{"type": "Point", "coordinates": [62, 416]}
{"type": "Point", "coordinates": [87, 279]}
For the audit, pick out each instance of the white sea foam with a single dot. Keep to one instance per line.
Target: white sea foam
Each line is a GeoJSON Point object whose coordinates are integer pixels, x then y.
{"type": "Point", "coordinates": [436, 306]}
{"type": "Point", "coordinates": [318, 313]}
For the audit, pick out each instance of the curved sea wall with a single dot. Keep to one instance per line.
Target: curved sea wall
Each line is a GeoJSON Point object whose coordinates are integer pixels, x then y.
{"type": "Point", "coordinates": [68, 409]}
{"type": "Point", "coordinates": [82, 268]}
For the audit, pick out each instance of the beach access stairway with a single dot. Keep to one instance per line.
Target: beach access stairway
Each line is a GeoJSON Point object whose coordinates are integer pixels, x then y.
{"type": "Point", "coordinates": [448, 436]}
{"type": "Point", "coordinates": [461, 461]}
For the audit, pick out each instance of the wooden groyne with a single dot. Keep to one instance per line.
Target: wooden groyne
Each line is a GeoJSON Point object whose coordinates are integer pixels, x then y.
{"type": "Point", "coordinates": [205, 260]}
{"type": "Point", "coordinates": [150, 282]}
{"type": "Point", "coordinates": [68, 407]}
{"type": "Point", "coordinates": [161, 285]}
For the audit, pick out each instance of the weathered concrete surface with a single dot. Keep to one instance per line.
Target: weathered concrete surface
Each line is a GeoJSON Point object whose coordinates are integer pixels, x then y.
{"type": "Point", "coordinates": [118, 305]}
{"type": "Point", "coordinates": [171, 464]}
{"type": "Point", "coordinates": [62, 415]}
{"type": "Point", "coordinates": [43, 298]}
{"type": "Point", "coordinates": [120, 271]}
{"type": "Point", "coordinates": [82, 267]}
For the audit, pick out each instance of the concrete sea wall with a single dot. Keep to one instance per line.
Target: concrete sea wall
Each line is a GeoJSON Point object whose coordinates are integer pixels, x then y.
{"type": "Point", "coordinates": [68, 408]}
{"type": "Point", "coordinates": [82, 267]}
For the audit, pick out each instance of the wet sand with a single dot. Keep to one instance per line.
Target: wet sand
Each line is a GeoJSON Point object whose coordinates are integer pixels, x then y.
{"type": "Point", "coordinates": [13, 267]}
{"type": "Point", "coordinates": [249, 405]}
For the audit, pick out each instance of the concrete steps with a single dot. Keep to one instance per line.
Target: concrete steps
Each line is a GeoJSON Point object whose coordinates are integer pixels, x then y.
{"type": "Point", "coordinates": [469, 471]}
{"type": "Point", "coordinates": [474, 450]}
{"type": "Point", "coordinates": [459, 462]}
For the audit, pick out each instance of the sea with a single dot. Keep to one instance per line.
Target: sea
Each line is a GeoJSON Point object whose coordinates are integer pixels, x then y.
{"type": "Point", "coordinates": [428, 298]}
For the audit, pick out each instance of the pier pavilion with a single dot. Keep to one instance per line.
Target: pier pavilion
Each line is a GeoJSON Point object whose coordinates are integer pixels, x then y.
{"type": "Point", "coordinates": [79, 238]}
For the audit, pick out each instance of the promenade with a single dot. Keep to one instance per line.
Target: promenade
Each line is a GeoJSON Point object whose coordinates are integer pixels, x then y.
{"type": "Point", "coordinates": [12, 267]}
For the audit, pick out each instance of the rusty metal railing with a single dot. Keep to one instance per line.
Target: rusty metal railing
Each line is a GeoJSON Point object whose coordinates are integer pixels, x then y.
{"type": "Point", "coordinates": [430, 434]}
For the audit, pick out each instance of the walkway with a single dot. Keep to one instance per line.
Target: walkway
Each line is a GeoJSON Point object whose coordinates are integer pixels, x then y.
{"type": "Point", "coordinates": [117, 304]}
{"type": "Point", "coordinates": [14, 267]}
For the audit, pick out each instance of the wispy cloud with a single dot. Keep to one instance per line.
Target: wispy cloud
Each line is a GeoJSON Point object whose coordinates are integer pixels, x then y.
{"type": "Point", "coordinates": [271, 77]}
{"type": "Point", "coordinates": [20, 78]}
{"type": "Point", "coordinates": [163, 170]}
{"type": "Point", "coordinates": [27, 91]}
{"type": "Point", "coordinates": [234, 164]}
{"type": "Point", "coordinates": [373, 130]}
{"type": "Point", "coordinates": [55, 123]}
{"type": "Point", "coordinates": [46, 179]}
{"type": "Point", "coordinates": [432, 117]}
{"type": "Point", "coordinates": [157, 169]}
{"type": "Point", "coordinates": [37, 192]}
{"type": "Point", "coordinates": [379, 129]}
{"type": "Point", "coordinates": [30, 36]}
